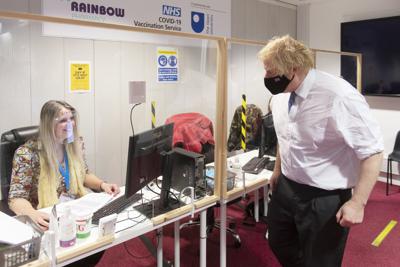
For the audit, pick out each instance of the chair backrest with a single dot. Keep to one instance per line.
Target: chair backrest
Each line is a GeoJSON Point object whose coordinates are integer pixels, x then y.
{"type": "Point", "coordinates": [397, 143]}
{"type": "Point", "coordinates": [269, 140]}
{"type": "Point", "coordinates": [10, 141]}
{"type": "Point", "coordinates": [194, 132]}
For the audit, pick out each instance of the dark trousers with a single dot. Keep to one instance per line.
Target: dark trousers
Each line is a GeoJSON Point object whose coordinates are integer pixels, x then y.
{"type": "Point", "coordinates": [302, 227]}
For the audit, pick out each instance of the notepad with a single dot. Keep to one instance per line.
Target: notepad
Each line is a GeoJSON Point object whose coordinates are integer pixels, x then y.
{"type": "Point", "coordinates": [13, 231]}
{"type": "Point", "coordinates": [89, 203]}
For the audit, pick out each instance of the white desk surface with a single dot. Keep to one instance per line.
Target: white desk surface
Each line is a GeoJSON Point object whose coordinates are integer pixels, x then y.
{"type": "Point", "coordinates": [130, 224]}
{"type": "Point", "coordinates": [252, 181]}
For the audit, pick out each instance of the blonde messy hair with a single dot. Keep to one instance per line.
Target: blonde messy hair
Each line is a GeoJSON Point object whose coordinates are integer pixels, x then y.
{"type": "Point", "coordinates": [49, 178]}
{"type": "Point", "coordinates": [285, 53]}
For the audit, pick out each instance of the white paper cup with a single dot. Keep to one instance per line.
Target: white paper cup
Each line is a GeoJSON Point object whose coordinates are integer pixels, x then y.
{"type": "Point", "coordinates": [83, 225]}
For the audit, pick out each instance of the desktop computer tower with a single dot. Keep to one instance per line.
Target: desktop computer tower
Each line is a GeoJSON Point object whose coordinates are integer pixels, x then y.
{"type": "Point", "coordinates": [187, 170]}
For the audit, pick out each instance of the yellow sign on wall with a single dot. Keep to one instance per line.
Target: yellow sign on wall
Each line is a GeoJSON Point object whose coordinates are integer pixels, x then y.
{"type": "Point", "coordinates": [79, 76]}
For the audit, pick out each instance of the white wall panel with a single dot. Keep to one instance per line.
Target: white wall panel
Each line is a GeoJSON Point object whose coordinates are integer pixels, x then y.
{"type": "Point", "coordinates": [256, 92]}
{"type": "Point", "coordinates": [238, 27]}
{"type": "Point", "coordinates": [15, 5]}
{"type": "Point", "coordinates": [107, 115]}
{"type": "Point", "coordinates": [236, 79]}
{"type": "Point", "coordinates": [47, 70]}
{"type": "Point", "coordinates": [15, 101]}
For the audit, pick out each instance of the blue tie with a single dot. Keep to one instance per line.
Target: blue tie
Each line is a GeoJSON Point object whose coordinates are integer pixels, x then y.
{"type": "Point", "coordinates": [291, 100]}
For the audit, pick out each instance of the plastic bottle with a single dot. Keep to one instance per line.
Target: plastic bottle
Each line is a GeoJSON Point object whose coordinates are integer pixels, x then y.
{"type": "Point", "coordinates": [67, 229]}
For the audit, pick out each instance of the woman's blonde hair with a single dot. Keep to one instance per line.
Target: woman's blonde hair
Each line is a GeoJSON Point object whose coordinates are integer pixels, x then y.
{"type": "Point", "coordinates": [49, 178]}
{"type": "Point", "coordinates": [285, 54]}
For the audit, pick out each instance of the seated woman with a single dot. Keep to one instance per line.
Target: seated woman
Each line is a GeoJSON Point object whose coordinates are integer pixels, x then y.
{"type": "Point", "coordinates": [52, 169]}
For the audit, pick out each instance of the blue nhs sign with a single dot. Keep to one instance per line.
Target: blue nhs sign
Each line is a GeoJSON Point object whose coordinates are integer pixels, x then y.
{"type": "Point", "coordinates": [171, 11]}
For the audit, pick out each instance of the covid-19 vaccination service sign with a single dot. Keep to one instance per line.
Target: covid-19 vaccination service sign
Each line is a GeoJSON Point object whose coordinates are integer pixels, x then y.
{"type": "Point", "coordinates": [210, 17]}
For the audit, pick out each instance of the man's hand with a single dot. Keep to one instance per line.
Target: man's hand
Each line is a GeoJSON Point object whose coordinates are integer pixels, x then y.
{"type": "Point", "coordinates": [273, 180]}
{"type": "Point", "coordinates": [40, 218]}
{"type": "Point", "coordinates": [350, 214]}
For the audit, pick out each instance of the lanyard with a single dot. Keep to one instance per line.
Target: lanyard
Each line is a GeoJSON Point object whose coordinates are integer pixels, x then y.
{"type": "Point", "coordinates": [65, 170]}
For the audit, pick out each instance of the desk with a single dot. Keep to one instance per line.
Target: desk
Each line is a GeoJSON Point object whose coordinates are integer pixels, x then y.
{"type": "Point", "coordinates": [245, 183]}
{"type": "Point", "coordinates": [129, 229]}
{"type": "Point", "coordinates": [131, 224]}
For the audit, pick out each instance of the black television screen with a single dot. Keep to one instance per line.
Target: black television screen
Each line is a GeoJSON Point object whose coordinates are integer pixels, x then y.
{"type": "Point", "coordinates": [378, 40]}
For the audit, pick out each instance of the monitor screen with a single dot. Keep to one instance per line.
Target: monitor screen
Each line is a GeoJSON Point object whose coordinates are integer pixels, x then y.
{"type": "Point", "coordinates": [378, 41]}
{"type": "Point", "coordinates": [145, 157]}
{"type": "Point", "coordinates": [268, 142]}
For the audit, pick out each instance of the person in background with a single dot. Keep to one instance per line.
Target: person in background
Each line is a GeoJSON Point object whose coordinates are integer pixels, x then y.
{"type": "Point", "coordinates": [328, 158]}
{"type": "Point", "coordinates": [52, 169]}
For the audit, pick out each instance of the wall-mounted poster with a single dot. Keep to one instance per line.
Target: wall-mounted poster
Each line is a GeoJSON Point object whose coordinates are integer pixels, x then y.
{"type": "Point", "coordinates": [79, 76]}
{"type": "Point", "coordinates": [167, 65]}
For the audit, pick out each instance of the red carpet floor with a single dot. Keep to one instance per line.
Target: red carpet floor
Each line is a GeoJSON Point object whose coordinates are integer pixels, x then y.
{"type": "Point", "coordinates": [379, 211]}
{"type": "Point", "coordinates": [255, 251]}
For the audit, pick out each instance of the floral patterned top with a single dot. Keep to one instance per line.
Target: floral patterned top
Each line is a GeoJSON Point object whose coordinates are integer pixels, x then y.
{"type": "Point", "coordinates": [26, 171]}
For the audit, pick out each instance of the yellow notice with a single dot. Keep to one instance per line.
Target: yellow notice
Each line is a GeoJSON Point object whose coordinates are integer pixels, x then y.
{"type": "Point", "coordinates": [79, 76]}
{"type": "Point", "coordinates": [378, 240]}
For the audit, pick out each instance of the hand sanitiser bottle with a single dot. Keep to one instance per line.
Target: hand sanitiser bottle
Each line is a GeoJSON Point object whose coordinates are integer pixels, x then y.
{"type": "Point", "coordinates": [67, 229]}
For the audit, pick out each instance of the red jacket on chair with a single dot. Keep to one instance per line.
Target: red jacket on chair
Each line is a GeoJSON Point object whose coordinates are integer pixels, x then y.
{"type": "Point", "coordinates": [191, 131]}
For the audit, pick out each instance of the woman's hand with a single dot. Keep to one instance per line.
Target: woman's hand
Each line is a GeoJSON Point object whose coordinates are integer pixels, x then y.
{"type": "Point", "coordinates": [110, 188]}
{"type": "Point", "coordinates": [21, 206]}
{"type": "Point", "coordinates": [40, 218]}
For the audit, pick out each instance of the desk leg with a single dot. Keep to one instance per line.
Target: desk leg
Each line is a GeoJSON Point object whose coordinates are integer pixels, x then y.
{"type": "Point", "coordinates": [222, 235]}
{"type": "Point", "coordinates": [177, 244]}
{"type": "Point", "coordinates": [256, 206]}
{"type": "Point", "coordinates": [244, 184]}
{"type": "Point", "coordinates": [266, 189]}
{"type": "Point", "coordinates": [159, 234]}
{"type": "Point", "coordinates": [203, 238]}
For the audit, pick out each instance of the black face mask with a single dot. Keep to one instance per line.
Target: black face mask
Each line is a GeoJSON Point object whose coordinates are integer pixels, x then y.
{"type": "Point", "coordinates": [277, 84]}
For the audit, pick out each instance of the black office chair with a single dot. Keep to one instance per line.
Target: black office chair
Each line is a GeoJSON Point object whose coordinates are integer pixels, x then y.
{"type": "Point", "coordinates": [10, 141]}
{"type": "Point", "coordinates": [394, 156]}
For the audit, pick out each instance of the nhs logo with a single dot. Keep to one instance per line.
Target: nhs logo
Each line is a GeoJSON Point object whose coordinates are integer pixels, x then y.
{"type": "Point", "coordinates": [171, 11]}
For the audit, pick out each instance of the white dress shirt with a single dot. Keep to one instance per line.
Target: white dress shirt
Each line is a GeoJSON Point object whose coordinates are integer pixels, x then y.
{"type": "Point", "coordinates": [328, 130]}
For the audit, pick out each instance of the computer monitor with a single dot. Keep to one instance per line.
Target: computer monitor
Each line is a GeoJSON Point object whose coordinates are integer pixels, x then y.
{"type": "Point", "coordinates": [268, 142]}
{"type": "Point", "coordinates": [146, 157]}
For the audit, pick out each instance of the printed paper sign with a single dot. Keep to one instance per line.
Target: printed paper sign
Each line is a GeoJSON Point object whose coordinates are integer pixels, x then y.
{"type": "Point", "coordinates": [167, 65]}
{"type": "Point", "coordinates": [79, 76]}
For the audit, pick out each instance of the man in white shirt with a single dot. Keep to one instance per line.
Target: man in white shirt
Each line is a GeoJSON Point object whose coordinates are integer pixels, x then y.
{"type": "Point", "coordinates": [328, 145]}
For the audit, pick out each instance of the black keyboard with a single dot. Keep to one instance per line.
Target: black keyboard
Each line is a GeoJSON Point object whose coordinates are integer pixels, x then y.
{"type": "Point", "coordinates": [115, 206]}
{"type": "Point", "coordinates": [255, 165]}
{"type": "Point", "coordinates": [270, 165]}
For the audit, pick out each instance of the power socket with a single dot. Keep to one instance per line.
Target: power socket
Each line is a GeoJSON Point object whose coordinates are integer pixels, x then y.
{"type": "Point", "coordinates": [107, 225]}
